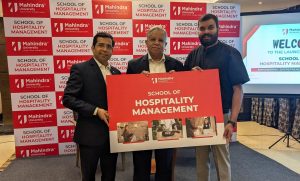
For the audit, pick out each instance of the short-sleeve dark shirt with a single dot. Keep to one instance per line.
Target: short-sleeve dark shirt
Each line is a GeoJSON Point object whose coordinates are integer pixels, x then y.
{"type": "Point", "coordinates": [228, 60]}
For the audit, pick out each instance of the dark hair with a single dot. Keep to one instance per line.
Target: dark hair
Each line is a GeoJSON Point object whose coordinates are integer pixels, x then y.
{"type": "Point", "coordinates": [207, 17]}
{"type": "Point", "coordinates": [103, 35]}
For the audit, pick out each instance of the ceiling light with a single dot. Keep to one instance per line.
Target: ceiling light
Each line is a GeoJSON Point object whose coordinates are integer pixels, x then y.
{"type": "Point", "coordinates": [260, 3]}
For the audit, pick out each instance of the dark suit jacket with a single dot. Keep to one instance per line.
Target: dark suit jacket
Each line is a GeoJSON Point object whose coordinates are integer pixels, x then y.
{"type": "Point", "coordinates": [86, 90]}
{"type": "Point", "coordinates": [136, 66]}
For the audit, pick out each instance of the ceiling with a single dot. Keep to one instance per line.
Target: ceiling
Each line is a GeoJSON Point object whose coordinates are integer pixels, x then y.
{"type": "Point", "coordinates": [267, 5]}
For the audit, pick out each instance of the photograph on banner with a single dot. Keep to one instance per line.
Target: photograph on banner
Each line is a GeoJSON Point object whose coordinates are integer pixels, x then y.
{"type": "Point", "coordinates": [132, 132]}
{"type": "Point", "coordinates": [198, 127]}
{"type": "Point", "coordinates": [167, 129]}
{"type": "Point", "coordinates": [169, 110]}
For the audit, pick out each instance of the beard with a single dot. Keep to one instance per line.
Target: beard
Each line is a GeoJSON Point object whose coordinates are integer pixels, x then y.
{"type": "Point", "coordinates": [213, 38]}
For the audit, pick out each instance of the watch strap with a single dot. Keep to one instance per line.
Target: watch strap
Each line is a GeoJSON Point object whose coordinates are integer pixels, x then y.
{"type": "Point", "coordinates": [233, 123]}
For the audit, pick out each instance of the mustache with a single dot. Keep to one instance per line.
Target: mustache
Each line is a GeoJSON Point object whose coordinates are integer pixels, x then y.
{"type": "Point", "coordinates": [212, 38]}
{"type": "Point", "coordinates": [207, 35]}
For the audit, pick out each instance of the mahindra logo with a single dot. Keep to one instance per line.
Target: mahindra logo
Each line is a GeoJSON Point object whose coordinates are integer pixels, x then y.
{"type": "Point", "coordinates": [154, 80]}
{"type": "Point", "coordinates": [59, 27]}
{"type": "Point", "coordinates": [25, 153]}
{"type": "Point", "coordinates": [61, 64]}
{"type": "Point", "coordinates": [65, 134]}
{"type": "Point", "coordinates": [60, 99]}
{"type": "Point", "coordinates": [17, 46]}
{"type": "Point", "coordinates": [176, 10]}
{"type": "Point", "coordinates": [176, 45]}
{"type": "Point", "coordinates": [285, 31]}
{"type": "Point", "coordinates": [99, 8]}
{"type": "Point", "coordinates": [13, 7]}
{"type": "Point", "coordinates": [139, 28]}
{"type": "Point", "coordinates": [20, 83]}
{"type": "Point", "coordinates": [22, 119]}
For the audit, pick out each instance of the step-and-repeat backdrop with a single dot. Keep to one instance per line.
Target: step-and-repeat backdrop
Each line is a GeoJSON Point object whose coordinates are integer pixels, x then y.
{"type": "Point", "coordinates": [45, 38]}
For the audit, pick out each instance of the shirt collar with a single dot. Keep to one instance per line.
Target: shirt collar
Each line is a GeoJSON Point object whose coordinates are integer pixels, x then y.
{"type": "Point", "coordinates": [162, 60]}
{"type": "Point", "coordinates": [108, 67]}
{"type": "Point", "coordinates": [212, 46]}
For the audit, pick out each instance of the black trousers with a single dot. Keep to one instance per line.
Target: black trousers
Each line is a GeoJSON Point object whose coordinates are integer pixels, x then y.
{"type": "Point", "coordinates": [89, 157]}
{"type": "Point", "coordinates": [142, 165]}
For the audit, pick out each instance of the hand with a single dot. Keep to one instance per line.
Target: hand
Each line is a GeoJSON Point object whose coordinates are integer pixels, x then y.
{"type": "Point", "coordinates": [197, 68]}
{"type": "Point", "coordinates": [147, 73]}
{"type": "Point", "coordinates": [103, 115]}
{"type": "Point", "coordinates": [171, 71]}
{"type": "Point", "coordinates": [228, 132]}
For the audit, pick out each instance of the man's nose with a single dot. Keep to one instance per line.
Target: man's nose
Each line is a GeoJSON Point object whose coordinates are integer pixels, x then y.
{"type": "Point", "coordinates": [206, 31]}
{"type": "Point", "coordinates": [105, 48]}
{"type": "Point", "coordinates": [156, 41]}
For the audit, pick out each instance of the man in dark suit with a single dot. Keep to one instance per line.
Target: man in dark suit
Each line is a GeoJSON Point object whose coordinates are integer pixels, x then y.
{"type": "Point", "coordinates": [154, 62]}
{"type": "Point", "coordinates": [85, 93]}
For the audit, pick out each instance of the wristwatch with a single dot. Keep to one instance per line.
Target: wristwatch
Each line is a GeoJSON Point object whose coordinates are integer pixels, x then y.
{"type": "Point", "coordinates": [233, 123]}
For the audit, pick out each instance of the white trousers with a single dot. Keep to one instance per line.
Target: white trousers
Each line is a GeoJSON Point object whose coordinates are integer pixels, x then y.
{"type": "Point", "coordinates": [221, 157]}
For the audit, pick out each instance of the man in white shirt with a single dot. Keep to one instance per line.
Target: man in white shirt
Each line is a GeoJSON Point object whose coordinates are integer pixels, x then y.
{"type": "Point", "coordinates": [154, 62]}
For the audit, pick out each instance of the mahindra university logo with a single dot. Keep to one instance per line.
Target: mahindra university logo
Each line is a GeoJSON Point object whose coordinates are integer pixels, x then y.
{"type": "Point", "coordinates": [139, 28]}
{"type": "Point", "coordinates": [65, 134]}
{"type": "Point", "coordinates": [59, 27]}
{"type": "Point", "coordinates": [60, 98]}
{"type": "Point", "coordinates": [61, 64]}
{"type": "Point", "coordinates": [176, 10]}
{"type": "Point", "coordinates": [20, 83]}
{"type": "Point", "coordinates": [17, 46]}
{"type": "Point", "coordinates": [25, 153]}
{"type": "Point", "coordinates": [285, 31]}
{"type": "Point", "coordinates": [162, 80]}
{"type": "Point", "coordinates": [13, 7]}
{"type": "Point", "coordinates": [22, 119]}
{"type": "Point", "coordinates": [154, 80]}
{"type": "Point", "coordinates": [99, 8]}
{"type": "Point", "coordinates": [176, 45]}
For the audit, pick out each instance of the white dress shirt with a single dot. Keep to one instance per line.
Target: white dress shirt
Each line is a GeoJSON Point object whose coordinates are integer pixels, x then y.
{"type": "Point", "coordinates": [105, 70]}
{"type": "Point", "coordinates": [157, 66]}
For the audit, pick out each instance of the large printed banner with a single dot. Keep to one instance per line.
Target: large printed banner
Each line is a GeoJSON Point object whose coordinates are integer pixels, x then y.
{"type": "Point", "coordinates": [44, 38]}
{"type": "Point", "coordinates": [169, 110]}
